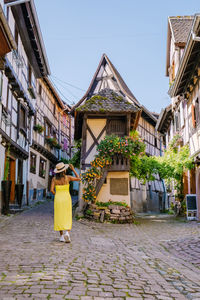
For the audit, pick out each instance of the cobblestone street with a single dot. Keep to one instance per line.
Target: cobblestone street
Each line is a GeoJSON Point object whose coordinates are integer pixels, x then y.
{"type": "Point", "coordinates": [157, 259]}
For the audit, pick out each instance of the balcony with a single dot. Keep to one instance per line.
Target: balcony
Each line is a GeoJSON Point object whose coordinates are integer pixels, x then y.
{"type": "Point", "coordinates": [119, 163]}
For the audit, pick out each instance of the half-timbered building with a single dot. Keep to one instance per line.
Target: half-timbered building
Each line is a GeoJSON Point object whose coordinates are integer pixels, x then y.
{"type": "Point", "coordinates": [21, 70]}
{"type": "Point", "coordinates": [183, 56]}
{"type": "Point", "coordinates": [51, 138]}
{"type": "Point", "coordinates": [96, 118]}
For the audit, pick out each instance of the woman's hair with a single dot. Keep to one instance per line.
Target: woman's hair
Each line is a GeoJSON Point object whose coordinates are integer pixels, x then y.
{"type": "Point", "coordinates": [60, 175]}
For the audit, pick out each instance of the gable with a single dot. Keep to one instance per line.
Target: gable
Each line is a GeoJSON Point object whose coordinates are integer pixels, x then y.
{"type": "Point", "coordinates": [107, 77]}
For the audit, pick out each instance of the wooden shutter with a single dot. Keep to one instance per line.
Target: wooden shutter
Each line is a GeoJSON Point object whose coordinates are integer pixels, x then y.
{"type": "Point", "coordinates": [193, 181]}
{"type": "Point", "coordinates": [197, 111]}
{"type": "Point", "coordinates": [117, 126]}
{"type": "Point", "coordinates": [193, 116]}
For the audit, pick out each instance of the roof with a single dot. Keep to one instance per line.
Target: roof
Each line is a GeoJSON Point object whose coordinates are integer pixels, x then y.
{"type": "Point", "coordinates": [164, 119]}
{"type": "Point", "coordinates": [122, 85]}
{"type": "Point", "coordinates": [26, 18]}
{"type": "Point", "coordinates": [178, 30]}
{"type": "Point", "coordinates": [189, 61]}
{"type": "Point", "coordinates": [181, 27]}
{"type": "Point", "coordinates": [107, 101]}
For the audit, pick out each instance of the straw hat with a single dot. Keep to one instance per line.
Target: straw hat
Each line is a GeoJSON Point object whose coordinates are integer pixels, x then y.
{"type": "Point", "coordinates": [60, 167]}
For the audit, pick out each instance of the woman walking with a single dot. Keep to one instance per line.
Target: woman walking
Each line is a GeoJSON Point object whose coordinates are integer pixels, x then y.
{"type": "Point", "coordinates": [62, 201]}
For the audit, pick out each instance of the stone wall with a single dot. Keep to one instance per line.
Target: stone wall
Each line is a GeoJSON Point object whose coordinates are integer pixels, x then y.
{"type": "Point", "coordinates": [111, 213]}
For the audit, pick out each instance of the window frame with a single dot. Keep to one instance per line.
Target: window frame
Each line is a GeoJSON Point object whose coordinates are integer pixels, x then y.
{"type": "Point", "coordinates": [43, 169]}
{"type": "Point", "coordinates": [33, 162]}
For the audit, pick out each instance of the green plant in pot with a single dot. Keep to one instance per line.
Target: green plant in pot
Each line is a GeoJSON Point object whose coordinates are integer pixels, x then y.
{"type": "Point", "coordinates": [19, 188]}
{"type": "Point", "coordinates": [39, 128]}
{"type": "Point", "coordinates": [6, 185]}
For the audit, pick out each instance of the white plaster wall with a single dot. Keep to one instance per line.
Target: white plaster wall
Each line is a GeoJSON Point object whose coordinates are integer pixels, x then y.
{"type": "Point", "coordinates": [138, 199]}
{"type": "Point", "coordinates": [35, 181]}
{"type": "Point", "coordinates": [104, 194]}
{"type": "Point", "coordinates": [96, 125]}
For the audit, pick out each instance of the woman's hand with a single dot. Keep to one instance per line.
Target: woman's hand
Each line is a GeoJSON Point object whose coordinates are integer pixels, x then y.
{"type": "Point", "coordinates": [71, 167]}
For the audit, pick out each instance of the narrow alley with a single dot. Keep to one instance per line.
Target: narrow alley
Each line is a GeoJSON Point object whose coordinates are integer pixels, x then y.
{"type": "Point", "coordinates": [159, 258]}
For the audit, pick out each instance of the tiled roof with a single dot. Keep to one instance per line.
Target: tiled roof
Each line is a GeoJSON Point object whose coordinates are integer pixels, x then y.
{"type": "Point", "coordinates": [107, 101]}
{"type": "Point", "coordinates": [181, 27]}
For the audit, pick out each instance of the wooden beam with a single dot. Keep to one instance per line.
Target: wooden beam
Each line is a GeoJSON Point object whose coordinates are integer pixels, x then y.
{"type": "Point", "coordinates": [83, 148]}
{"type": "Point", "coordinates": [96, 140]}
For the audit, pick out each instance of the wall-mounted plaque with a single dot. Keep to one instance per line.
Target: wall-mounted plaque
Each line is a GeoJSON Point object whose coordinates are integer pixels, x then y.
{"type": "Point", "coordinates": [119, 186]}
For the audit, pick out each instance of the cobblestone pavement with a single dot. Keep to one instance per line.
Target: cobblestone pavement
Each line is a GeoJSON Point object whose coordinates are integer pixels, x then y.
{"type": "Point", "coordinates": [159, 258]}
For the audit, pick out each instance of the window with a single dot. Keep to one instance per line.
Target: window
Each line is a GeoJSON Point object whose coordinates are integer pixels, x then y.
{"type": "Point", "coordinates": [193, 116]}
{"type": "Point", "coordinates": [29, 75]}
{"type": "Point", "coordinates": [22, 117]}
{"type": "Point", "coordinates": [168, 135]}
{"type": "Point", "coordinates": [35, 119]}
{"type": "Point", "coordinates": [16, 35]}
{"type": "Point", "coordinates": [155, 142]}
{"type": "Point", "coordinates": [33, 160]}
{"type": "Point", "coordinates": [47, 129]}
{"type": "Point", "coordinates": [9, 99]}
{"type": "Point", "coordinates": [54, 134]}
{"type": "Point", "coordinates": [42, 168]}
{"type": "Point", "coordinates": [177, 121]}
{"type": "Point", "coordinates": [40, 90]}
{"type": "Point", "coordinates": [197, 111]}
{"type": "Point", "coordinates": [117, 126]}
{"type": "Point", "coordinates": [54, 109]}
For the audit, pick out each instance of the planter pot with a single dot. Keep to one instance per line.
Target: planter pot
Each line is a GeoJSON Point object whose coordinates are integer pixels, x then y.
{"type": "Point", "coordinates": [19, 188]}
{"type": "Point", "coordinates": [6, 189]}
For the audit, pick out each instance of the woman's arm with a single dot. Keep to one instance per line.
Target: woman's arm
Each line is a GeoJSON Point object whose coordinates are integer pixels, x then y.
{"type": "Point", "coordinates": [71, 178]}
{"type": "Point", "coordinates": [52, 186]}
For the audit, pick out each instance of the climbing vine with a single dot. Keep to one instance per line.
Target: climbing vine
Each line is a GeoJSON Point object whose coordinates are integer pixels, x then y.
{"type": "Point", "coordinates": [130, 147]}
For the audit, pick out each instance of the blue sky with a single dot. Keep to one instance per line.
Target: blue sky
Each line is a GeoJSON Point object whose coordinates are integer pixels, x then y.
{"type": "Point", "coordinates": [132, 33]}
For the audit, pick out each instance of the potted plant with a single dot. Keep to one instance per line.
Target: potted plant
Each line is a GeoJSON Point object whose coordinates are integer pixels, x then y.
{"type": "Point", "coordinates": [43, 173]}
{"type": "Point", "coordinates": [58, 146]}
{"type": "Point", "coordinates": [39, 128]}
{"type": "Point", "coordinates": [32, 169]}
{"type": "Point", "coordinates": [19, 188]}
{"type": "Point", "coordinates": [49, 140]}
{"type": "Point", "coordinates": [6, 185]}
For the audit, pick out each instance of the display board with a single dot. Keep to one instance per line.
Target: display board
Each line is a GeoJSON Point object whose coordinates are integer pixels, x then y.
{"type": "Point", "coordinates": [191, 205]}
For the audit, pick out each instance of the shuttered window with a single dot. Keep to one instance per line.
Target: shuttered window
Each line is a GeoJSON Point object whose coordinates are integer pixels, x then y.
{"type": "Point", "coordinates": [193, 116]}
{"type": "Point", "coordinates": [197, 111]}
{"type": "Point", "coordinates": [117, 127]}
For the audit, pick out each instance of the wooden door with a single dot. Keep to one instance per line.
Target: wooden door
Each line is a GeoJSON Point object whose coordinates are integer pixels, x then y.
{"type": "Point", "coordinates": [185, 184]}
{"type": "Point", "coordinates": [193, 181]}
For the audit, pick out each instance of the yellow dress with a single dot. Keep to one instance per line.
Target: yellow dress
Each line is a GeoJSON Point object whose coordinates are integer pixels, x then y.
{"type": "Point", "coordinates": [62, 208]}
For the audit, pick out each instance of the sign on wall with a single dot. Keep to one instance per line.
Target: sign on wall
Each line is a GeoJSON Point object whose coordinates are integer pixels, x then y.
{"type": "Point", "coordinates": [119, 186]}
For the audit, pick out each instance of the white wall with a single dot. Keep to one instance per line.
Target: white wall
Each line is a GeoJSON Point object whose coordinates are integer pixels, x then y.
{"type": "Point", "coordinates": [105, 195]}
